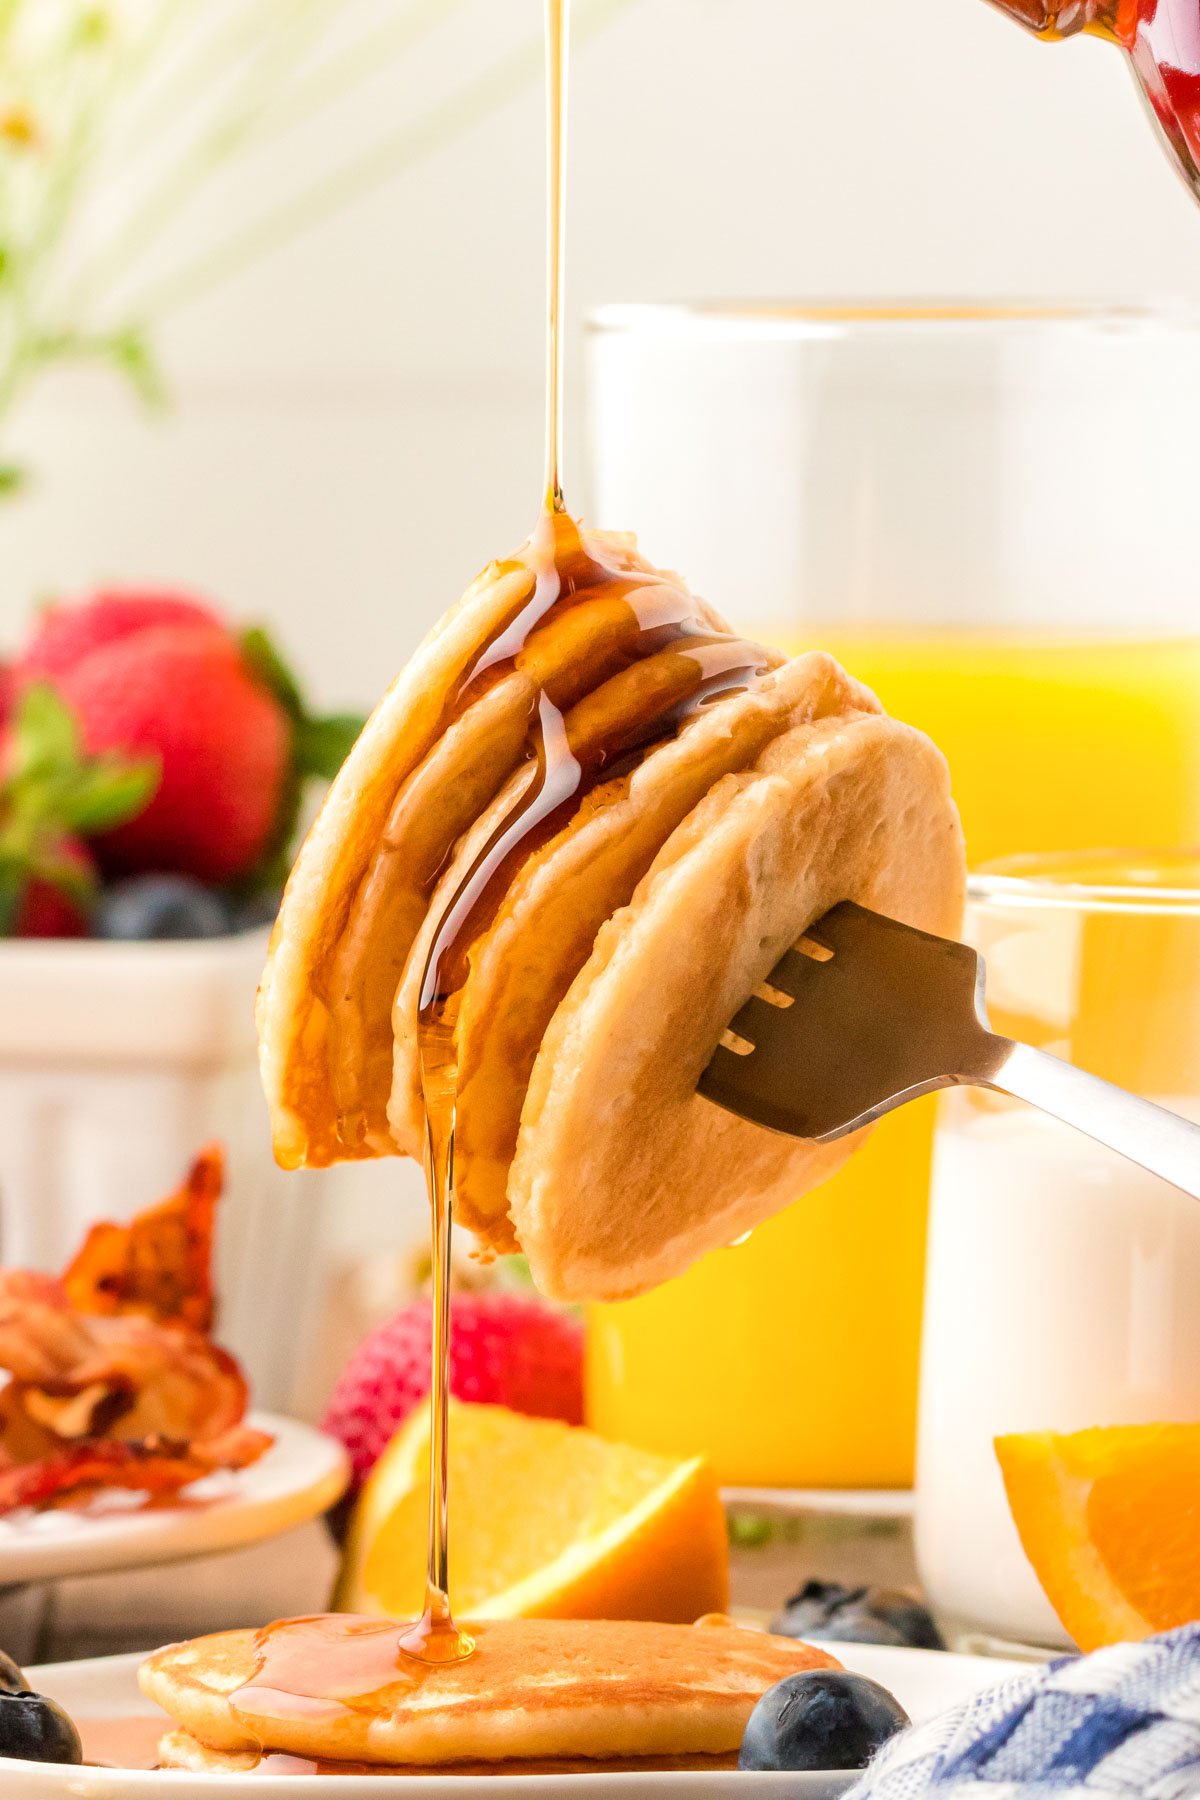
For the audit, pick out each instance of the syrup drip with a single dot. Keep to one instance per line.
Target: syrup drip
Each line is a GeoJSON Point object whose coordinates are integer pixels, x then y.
{"type": "Point", "coordinates": [122, 1743]}
{"type": "Point", "coordinates": [656, 661]}
{"type": "Point", "coordinates": [318, 1669]}
{"type": "Point", "coordinates": [557, 22]}
{"type": "Point", "coordinates": [693, 666]}
{"type": "Point", "coordinates": [436, 1638]}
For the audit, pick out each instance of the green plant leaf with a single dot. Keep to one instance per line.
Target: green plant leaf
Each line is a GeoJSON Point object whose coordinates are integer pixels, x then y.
{"type": "Point", "coordinates": [54, 864]}
{"type": "Point", "coordinates": [268, 664]}
{"type": "Point", "coordinates": [131, 355]}
{"type": "Point", "coordinates": [110, 792]}
{"type": "Point", "coordinates": [322, 745]}
{"type": "Point", "coordinates": [319, 748]}
{"type": "Point", "coordinates": [12, 886]}
{"type": "Point", "coordinates": [45, 735]}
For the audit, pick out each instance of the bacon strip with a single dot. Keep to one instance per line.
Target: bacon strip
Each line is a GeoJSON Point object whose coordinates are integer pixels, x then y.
{"type": "Point", "coordinates": [114, 1379]}
{"type": "Point", "coordinates": [153, 1466]}
{"type": "Point", "coordinates": [160, 1264]}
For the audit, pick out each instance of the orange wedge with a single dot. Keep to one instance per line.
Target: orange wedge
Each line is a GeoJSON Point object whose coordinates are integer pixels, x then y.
{"type": "Point", "coordinates": [547, 1521]}
{"type": "Point", "coordinates": [1110, 1520]}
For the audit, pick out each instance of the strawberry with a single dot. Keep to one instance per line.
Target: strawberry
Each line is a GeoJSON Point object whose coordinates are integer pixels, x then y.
{"type": "Point", "coordinates": [159, 676]}
{"type": "Point", "coordinates": [506, 1349]}
{"type": "Point", "coordinates": [68, 631]}
{"type": "Point", "coordinates": [183, 694]}
{"type": "Point", "coordinates": [51, 795]}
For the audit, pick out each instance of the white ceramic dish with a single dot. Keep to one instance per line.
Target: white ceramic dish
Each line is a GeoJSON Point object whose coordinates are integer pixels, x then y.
{"type": "Point", "coordinates": [117, 1061]}
{"type": "Point", "coordinates": [302, 1474]}
{"type": "Point", "coordinates": [849, 1503]}
{"type": "Point", "coordinates": [923, 1681]}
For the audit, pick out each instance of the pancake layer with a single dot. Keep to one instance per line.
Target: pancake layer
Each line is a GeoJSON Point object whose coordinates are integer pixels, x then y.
{"type": "Point", "coordinates": [703, 828]}
{"type": "Point", "coordinates": [523, 964]}
{"type": "Point", "coordinates": [179, 1751]}
{"type": "Point", "coordinates": [355, 892]}
{"type": "Point", "coordinates": [623, 1174]}
{"type": "Point", "coordinates": [536, 1691]}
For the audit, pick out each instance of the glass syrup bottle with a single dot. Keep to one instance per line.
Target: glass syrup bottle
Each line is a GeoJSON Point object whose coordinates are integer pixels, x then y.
{"type": "Point", "coordinates": [1162, 41]}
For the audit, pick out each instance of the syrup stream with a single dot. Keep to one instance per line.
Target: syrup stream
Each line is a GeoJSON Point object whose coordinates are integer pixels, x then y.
{"type": "Point", "coordinates": [661, 662]}
{"type": "Point", "coordinates": [436, 1638]}
{"type": "Point", "coordinates": [557, 27]}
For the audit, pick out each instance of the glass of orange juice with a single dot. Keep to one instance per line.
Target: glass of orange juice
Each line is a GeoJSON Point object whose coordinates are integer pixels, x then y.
{"type": "Point", "coordinates": [988, 513]}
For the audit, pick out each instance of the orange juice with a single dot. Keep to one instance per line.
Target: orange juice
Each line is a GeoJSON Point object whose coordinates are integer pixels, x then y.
{"type": "Point", "coordinates": [791, 1359]}
{"type": "Point", "coordinates": [1054, 743]}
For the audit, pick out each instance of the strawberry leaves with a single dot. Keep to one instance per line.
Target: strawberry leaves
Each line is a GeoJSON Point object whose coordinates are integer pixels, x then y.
{"type": "Point", "coordinates": [320, 745]}
{"type": "Point", "coordinates": [52, 793]}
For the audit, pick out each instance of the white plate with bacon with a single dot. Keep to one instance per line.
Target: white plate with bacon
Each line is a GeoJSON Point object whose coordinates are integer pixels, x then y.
{"type": "Point", "coordinates": [298, 1477]}
{"type": "Point", "coordinates": [125, 1435]}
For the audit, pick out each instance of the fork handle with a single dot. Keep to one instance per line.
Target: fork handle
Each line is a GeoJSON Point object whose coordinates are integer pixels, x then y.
{"type": "Point", "coordinates": [1149, 1135]}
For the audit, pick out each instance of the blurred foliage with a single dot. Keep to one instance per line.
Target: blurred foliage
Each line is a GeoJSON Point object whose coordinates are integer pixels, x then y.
{"type": "Point", "coordinates": [126, 130]}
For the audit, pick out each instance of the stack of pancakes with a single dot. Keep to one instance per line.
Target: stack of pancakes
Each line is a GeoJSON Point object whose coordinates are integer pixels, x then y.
{"type": "Point", "coordinates": [540, 1696]}
{"type": "Point", "coordinates": [621, 947]}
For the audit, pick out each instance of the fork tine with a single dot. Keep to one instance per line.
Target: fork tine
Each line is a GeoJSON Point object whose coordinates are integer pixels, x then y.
{"type": "Point", "coordinates": [889, 1013]}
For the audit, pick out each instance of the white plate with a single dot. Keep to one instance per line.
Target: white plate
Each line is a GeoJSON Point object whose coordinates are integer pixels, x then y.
{"type": "Point", "coordinates": [301, 1474]}
{"type": "Point", "coordinates": [924, 1682]}
{"type": "Point", "coordinates": [851, 1503]}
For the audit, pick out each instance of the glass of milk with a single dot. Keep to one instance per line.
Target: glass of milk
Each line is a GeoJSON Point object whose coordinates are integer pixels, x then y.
{"type": "Point", "coordinates": [1062, 1283]}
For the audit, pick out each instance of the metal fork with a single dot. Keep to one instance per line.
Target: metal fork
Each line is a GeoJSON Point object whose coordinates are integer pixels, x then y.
{"type": "Point", "coordinates": [866, 1014]}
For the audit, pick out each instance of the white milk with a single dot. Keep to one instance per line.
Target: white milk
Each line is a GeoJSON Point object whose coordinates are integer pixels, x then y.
{"type": "Point", "coordinates": [1063, 1291]}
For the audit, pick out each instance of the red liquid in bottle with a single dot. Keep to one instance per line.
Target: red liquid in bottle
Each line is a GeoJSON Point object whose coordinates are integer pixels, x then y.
{"type": "Point", "coordinates": [1162, 41]}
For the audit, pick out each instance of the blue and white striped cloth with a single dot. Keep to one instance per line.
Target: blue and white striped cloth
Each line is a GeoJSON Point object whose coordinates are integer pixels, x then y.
{"type": "Point", "coordinates": [1124, 1721]}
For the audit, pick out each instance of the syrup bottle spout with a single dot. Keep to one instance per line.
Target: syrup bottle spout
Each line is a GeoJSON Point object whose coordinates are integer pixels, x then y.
{"type": "Point", "coordinates": [1161, 38]}
{"type": "Point", "coordinates": [1061, 18]}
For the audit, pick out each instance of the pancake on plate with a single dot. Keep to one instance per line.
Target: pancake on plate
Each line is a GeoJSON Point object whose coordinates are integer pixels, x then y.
{"type": "Point", "coordinates": [716, 818]}
{"type": "Point", "coordinates": [542, 1695]}
{"type": "Point", "coordinates": [179, 1751]}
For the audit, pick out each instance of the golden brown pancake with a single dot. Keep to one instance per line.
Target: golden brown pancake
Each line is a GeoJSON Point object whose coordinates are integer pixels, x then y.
{"type": "Point", "coordinates": [536, 1691]}
{"type": "Point", "coordinates": [523, 964]}
{"type": "Point", "coordinates": [617, 950]}
{"type": "Point", "coordinates": [623, 1174]}
{"type": "Point", "coordinates": [179, 1751]}
{"type": "Point", "coordinates": [412, 783]}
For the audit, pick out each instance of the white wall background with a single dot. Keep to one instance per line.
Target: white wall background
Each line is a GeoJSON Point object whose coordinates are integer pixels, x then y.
{"type": "Point", "coordinates": [356, 422]}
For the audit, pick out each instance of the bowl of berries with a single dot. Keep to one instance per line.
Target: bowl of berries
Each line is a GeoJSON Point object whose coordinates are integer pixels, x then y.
{"type": "Point", "coordinates": [154, 764]}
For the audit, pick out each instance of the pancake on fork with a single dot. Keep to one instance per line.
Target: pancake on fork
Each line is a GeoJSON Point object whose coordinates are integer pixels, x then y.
{"type": "Point", "coordinates": [539, 1695]}
{"type": "Point", "coordinates": [619, 942]}
{"type": "Point", "coordinates": [523, 964]}
{"type": "Point", "coordinates": [418, 777]}
{"type": "Point", "coordinates": [623, 1174]}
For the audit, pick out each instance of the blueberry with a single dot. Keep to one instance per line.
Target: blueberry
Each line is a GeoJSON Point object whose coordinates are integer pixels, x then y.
{"type": "Point", "coordinates": [821, 1719]}
{"type": "Point", "coordinates": [914, 1622]}
{"type": "Point", "coordinates": [851, 1626]}
{"type": "Point", "coordinates": [858, 1615]}
{"type": "Point", "coordinates": [37, 1729]}
{"type": "Point", "coordinates": [12, 1679]}
{"type": "Point", "coordinates": [256, 910]}
{"type": "Point", "coordinates": [161, 906]}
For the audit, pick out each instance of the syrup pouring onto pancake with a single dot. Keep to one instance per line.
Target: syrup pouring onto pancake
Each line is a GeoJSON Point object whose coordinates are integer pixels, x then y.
{"type": "Point", "coordinates": [670, 661]}
{"type": "Point", "coordinates": [702, 665]}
